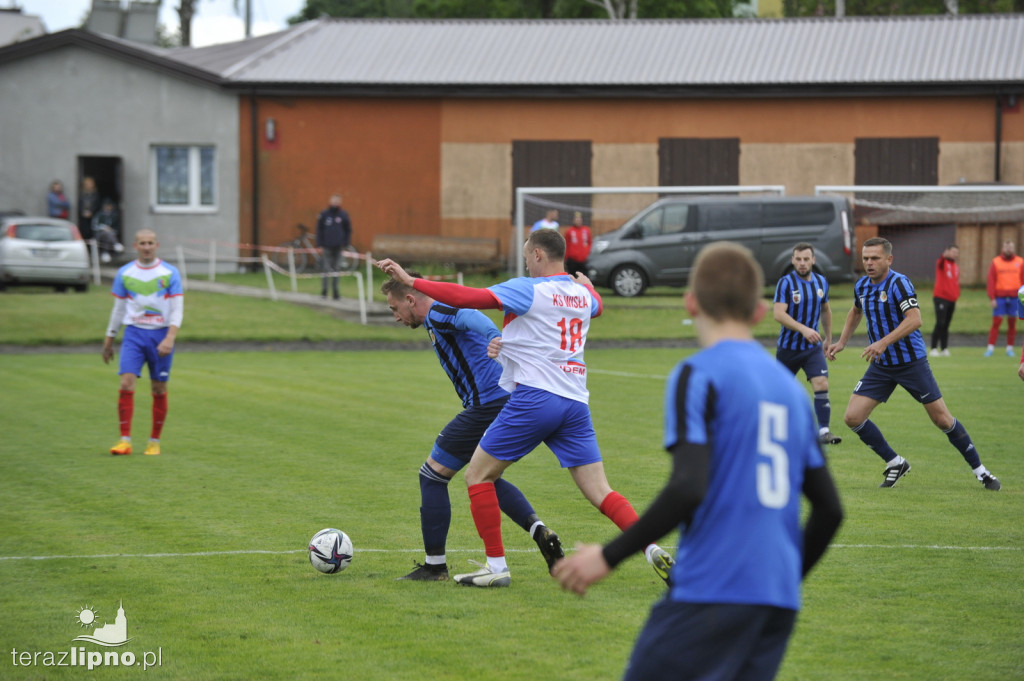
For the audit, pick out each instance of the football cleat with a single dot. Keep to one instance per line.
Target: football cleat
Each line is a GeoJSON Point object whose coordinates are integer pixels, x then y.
{"type": "Point", "coordinates": [484, 577]}
{"type": "Point", "coordinates": [122, 448]}
{"type": "Point", "coordinates": [152, 448]}
{"type": "Point", "coordinates": [988, 353]}
{"type": "Point", "coordinates": [827, 438]}
{"type": "Point", "coordinates": [427, 573]}
{"type": "Point", "coordinates": [549, 545]}
{"type": "Point", "coordinates": [990, 481]}
{"type": "Point", "coordinates": [1009, 351]}
{"type": "Point", "coordinates": [662, 563]}
{"type": "Point", "coordinates": [894, 473]}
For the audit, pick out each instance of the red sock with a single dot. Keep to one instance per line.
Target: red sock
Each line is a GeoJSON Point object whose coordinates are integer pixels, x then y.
{"type": "Point", "coordinates": [619, 510]}
{"type": "Point", "coordinates": [159, 414]}
{"type": "Point", "coordinates": [483, 503]}
{"type": "Point", "coordinates": [125, 409]}
{"type": "Point", "coordinates": [993, 332]}
{"type": "Point", "coordinates": [1011, 331]}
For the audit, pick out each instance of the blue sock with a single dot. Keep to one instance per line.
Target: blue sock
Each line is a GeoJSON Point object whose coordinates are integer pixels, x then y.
{"type": "Point", "coordinates": [822, 408]}
{"type": "Point", "coordinates": [870, 435]}
{"type": "Point", "coordinates": [514, 504]}
{"type": "Point", "coordinates": [962, 441]}
{"type": "Point", "coordinates": [435, 510]}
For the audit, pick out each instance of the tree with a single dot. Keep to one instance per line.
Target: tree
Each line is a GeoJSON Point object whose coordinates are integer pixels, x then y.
{"type": "Point", "coordinates": [516, 9]}
{"type": "Point", "coordinates": [186, 10]}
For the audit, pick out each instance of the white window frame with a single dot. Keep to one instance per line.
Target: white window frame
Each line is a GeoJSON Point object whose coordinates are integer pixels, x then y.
{"type": "Point", "coordinates": [194, 204]}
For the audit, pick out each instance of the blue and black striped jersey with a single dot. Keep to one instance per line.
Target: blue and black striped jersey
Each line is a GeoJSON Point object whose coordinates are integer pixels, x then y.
{"type": "Point", "coordinates": [804, 299]}
{"type": "Point", "coordinates": [460, 339]}
{"type": "Point", "coordinates": [885, 306]}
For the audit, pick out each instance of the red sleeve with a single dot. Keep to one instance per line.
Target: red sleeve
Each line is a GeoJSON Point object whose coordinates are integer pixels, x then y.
{"type": "Point", "coordinates": [597, 297]}
{"type": "Point", "coordinates": [457, 295]}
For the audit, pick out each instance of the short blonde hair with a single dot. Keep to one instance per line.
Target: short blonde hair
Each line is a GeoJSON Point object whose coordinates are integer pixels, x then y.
{"type": "Point", "coordinates": [727, 281]}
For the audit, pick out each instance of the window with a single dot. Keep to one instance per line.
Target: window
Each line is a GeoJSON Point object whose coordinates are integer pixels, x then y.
{"type": "Point", "coordinates": [669, 219]}
{"type": "Point", "coordinates": [798, 213]}
{"type": "Point", "coordinates": [184, 178]}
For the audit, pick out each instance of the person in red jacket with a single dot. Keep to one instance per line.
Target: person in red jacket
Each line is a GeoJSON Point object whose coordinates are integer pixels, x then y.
{"type": "Point", "coordinates": [1003, 281]}
{"type": "Point", "coordinates": [577, 245]}
{"type": "Point", "coordinates": [945, 295]}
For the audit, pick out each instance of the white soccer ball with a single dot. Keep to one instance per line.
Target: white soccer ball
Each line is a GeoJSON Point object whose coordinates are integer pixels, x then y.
{"type": "Point", "coordinates": [1020, 295]}
{"type": "Point", "coordinates": [330, 551]}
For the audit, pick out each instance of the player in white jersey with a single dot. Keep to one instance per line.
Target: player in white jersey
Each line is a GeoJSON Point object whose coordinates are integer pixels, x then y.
{"type": "Point", "coordinates": [149, 303]}
{"type": "Point", "coordinates": [547, 316]}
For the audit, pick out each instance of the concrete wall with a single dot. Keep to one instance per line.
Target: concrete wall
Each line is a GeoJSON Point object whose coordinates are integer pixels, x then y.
{"type": "Point", "coordinates": [72, 102]}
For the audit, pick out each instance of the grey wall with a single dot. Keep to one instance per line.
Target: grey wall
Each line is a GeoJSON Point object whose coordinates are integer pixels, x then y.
{"type": "Point", "coordinates": [71, 102]}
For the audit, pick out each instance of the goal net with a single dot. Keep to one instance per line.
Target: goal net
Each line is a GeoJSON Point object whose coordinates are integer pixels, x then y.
{"type": "Point", "coordinates": [603, 208]}
{"type": "Point", "coordinates": [921, 221]}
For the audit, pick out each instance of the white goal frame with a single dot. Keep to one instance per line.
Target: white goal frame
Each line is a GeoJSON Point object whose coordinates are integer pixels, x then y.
{"type": "Point", "coordinates": [520, 231]}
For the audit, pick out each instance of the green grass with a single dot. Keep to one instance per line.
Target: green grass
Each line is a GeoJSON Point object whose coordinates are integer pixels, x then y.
{"type": "Point", "coordinates": [41, 317]}
{"type": "Point", "coordinates": [261, 450]}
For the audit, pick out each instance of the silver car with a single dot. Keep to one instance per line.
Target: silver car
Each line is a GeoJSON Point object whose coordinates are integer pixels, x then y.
{"type": "Point", "coordinates": [37, 251]}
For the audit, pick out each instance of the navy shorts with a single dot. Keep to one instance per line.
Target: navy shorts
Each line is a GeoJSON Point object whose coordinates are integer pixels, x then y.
{"type": "Point", "coordinates": [138, 348]}
{"type": "Point", "coordinates": [811, 360]}
{"type": "Point", "coordinates": [1005, 306]}
{"type": "Point", "coordinates": [454, 447]}
{"type": "Point", "coordinates": [532, 416]}
{"type": "Point", "coordinates": [916, 378]}
{"type": "Point", "coordinates": [711, 641]}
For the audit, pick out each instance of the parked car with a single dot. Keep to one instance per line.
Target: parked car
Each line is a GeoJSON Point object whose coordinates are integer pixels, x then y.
{"type": "Point", "coordinates": [657, 246]}
{"type": "Point", "coordinates": [39, 251]}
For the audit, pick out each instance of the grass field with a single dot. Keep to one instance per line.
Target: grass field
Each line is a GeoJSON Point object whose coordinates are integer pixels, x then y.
{"type": "Point", "coordinates": [204, 545]}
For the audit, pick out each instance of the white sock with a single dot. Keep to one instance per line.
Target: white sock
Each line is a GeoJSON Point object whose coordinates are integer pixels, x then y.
{"type": "Point", "coordinates": [533, 528]}
{"type": "Point", "coordinates": [822, 430]}
{"type": "Point", "coordinates": [435, 560]}
{"type": "Point", "coordinates": [895, 462]}
{"type": "Point", "coordinates": [980, 471]}
{"type": "Point", "coordinates": [497, 564]}
{"type": "Point", "coordinates": [647, 552]}
{"type": "Point", "coordinates": [991, 347]}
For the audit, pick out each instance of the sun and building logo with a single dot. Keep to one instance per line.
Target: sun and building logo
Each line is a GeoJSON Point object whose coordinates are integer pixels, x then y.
{"type": "Point", "coordinates": [110, 635]}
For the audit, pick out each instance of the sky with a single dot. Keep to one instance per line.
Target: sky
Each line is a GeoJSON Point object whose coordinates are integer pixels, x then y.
{"type": "Point", "coordinates": [215, 21]}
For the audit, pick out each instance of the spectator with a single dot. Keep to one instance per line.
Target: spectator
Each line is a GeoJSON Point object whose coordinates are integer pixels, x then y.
{"type": "Point", "coordinates": [333, 235]}
{"type": "Point", "coordinates": [106, 225]}
{"type": "Point", "coordinates": [944, 296]}
{"type": "Point", "coordinates": [88, 206]}
{"type": "Point", "coordinates": [57, 205]}
{"type": "Point", "coordinates": [577, 245]}
{"type": "Point", "coordinates": [1003, 280]}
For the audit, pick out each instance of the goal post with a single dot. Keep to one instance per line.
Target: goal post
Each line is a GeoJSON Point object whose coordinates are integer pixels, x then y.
{"type": "Point", "coordinates": [605, 208]}
{"type": "Point", "coordinates": [922, 220]}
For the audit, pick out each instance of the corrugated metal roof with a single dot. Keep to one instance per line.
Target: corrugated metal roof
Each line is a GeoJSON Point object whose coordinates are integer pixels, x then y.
{"type": "Point", "coordinates": [602, 53]}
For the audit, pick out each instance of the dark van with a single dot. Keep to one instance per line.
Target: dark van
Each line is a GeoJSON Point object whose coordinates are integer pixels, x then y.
{"type": "Point", "coordinates": [657, 246]}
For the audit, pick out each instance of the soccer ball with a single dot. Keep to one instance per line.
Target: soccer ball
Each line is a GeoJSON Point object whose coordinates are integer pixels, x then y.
{"type": "Point", "coordinates": [1020, 295]}
{"type": "Point", "coordinates": [330, 551]}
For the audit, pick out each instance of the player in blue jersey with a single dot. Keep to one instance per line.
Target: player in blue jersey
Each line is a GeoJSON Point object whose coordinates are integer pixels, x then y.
{"type": "Point", "coordinates": [459, 338]}
{"type": "Point", "coordinates": [897, 356]}
{"type": "Point", "coordinates": [801, 302]}
{"type": "Point", "coordinates": [547, 316]}
{"type": "Point", "coordinates": [149, 303]}
{"type": "Point", "coordinates": [744, 448]}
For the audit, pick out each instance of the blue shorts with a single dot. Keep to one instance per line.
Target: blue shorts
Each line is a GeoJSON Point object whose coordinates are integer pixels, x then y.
{"type": "Point", "coordinates": [139, 348]}
{"type": "Point", "coordinates": [711, 641]}
{"type": "Point", "coordinates": [532, 416]}
{"type": "Point", "coordinates": [916, 378]}
{"type": "Point", "coordinates": [1005, 306]}
{"type": "Point", "coordinates": [811, 360]}
{"type": "Point", "coordinates": [454, 447]}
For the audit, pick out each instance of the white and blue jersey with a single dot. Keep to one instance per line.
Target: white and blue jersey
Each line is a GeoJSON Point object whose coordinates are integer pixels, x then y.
{"type": "Point", "coordinates": [459, 338]}
{"type": "Point", "coordinates": [804, 299]}
{"type": "Point", "coordinates": [885, 305]}
{"type": "Point", "coordinates": [545, 330]}
{"type": "Point", "coordinates": [148, 290]}
{"type": "Point", "coordinates": [744, 544]}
